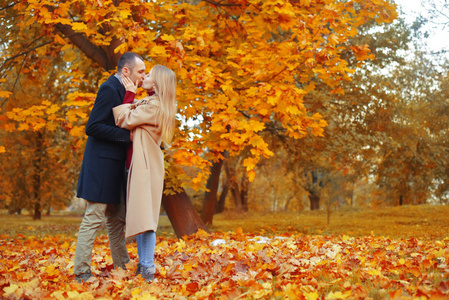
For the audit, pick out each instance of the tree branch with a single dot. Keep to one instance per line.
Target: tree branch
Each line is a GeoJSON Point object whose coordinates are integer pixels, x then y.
{"type": "Point", "coordinates": [17, 78]}
{"type": "Point", "coordinates": [92, 51]}
{"type": "Point", "coordinates": [220, 3]}
{"type": "Point", "coordinates": [25, 52]}
{"type": "Point", "coordinates": [8, 6]}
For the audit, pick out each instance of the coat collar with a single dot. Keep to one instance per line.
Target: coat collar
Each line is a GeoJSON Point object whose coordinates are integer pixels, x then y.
{"type": "Point", "coordinates": [116, 81]}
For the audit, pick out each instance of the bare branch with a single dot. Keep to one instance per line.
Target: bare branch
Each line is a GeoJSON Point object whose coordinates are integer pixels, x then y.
{"type": "Point", "coordinates": [16, 80]}
{"type": "Point", "coordinates": [25, 52]}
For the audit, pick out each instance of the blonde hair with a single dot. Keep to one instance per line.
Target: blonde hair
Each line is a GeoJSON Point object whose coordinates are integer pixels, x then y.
{"type": "Point", "coordinates": [165, 88]}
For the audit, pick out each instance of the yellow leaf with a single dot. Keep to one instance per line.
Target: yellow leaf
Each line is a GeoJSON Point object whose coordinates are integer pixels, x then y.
{"type": "Point", "coordinates": [252, 91]}
{"type": "Point", "coordinates": [292, 110]}
{"type": "Point", "coordinates": [51, 110]}
{"type": "Point", "coordinates": [391, 247]}
{"type": "Point", "coordinates": [122, 48]}
{"type": "Point", "coordinates": [251, 175]}
{"type": "Point", "coordinates": [23, 127]}
{"type": "Point", "coordinates": [59, 40]}
{"type": "Point", "coordinates": [2, 149]}
{"type": "Point", "coordinates": [439, 253]}
{"type": "Point", "coordinates": [374, 272]}
{"type": "Point", "coordinates": [13, 268]}
{"type": "Point", "coordinates": [5, 94]}
{"type": "Point", "coordinates": [338, 295]}
{"type": "Point", "coordinates": [124, 13]}
{"type": "Point", "coordinates": [72, 294]}
{"type": "Point", "coordinates": [338, 91]}
{"type": "Point", "coordinates": [250, 163]}
{"type": "Point", "coordinates": [59, 295]}
{"type": "Point", "coordinates": [144, 295]}
{"type": "Point", "coordinates": [51, 270]}
{"type": "Point", "coordinates": [158, 51]}
{"type": "Point", "coordinates": [77, 131]}
{"type": "Point", "coordinates": [168, 38]}
{"type": "Point", "coordinates": [163, 272]}
{"type": "Point", "coordinates": [440, 243]}
{"type": "Point", "coordinates": [79, 26]}
{"type": "Point", "coordinates": [263, 111]}
{"type": "Point", "coordinates": [188, 267]}
{"type": "Point", "coordinates": [333, 39]}
{"type": "Point", "coordinates": [10, 290]}
{"type": "Point", "coordinates": [135, 292]}
{"type": "Point", "coordinates": [311, 295]}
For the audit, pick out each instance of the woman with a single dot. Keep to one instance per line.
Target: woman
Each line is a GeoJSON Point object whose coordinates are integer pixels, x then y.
{"type": "Point", "coordinates": [152, 121]}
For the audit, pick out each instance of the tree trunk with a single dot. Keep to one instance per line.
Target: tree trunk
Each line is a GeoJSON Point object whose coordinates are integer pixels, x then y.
{"type": "Point", "coordinates": [287, 203]}
{"type": "Point", "coordinates": [210, 198]}
{"type": "Point", "coordinates": [182, 214]}
{"type": "Point", "coordinates": [48, 207]}
{"type": "Point", "coordinates": [352, 195]}
{"type": "Point", "coordinates": [220, 205]}
{"type": "Point", "coordinates": [314, 195]}
{"type": "Point", "coordinates": [37, 210]}
{"type": "Point", "coordinates": [37, 178]}
{"type": "Point", "coordinates": [244, 192]}
{"type": "Point", "coordinates": [314, 202]}
{"type": "Point", "coordinates": [15, 210]}
{"type": "Point", "coordinates": [234, 187]}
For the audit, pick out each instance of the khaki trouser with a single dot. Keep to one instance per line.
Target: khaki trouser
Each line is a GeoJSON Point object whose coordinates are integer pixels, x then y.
{"type": "Point", "coordinates": [94, 216]}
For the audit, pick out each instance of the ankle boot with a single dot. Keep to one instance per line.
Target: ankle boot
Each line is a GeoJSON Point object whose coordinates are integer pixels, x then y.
{"type": "Point", "coordinates": [147, 273]}
{"type": "Point", "coordinates": [139, 269]}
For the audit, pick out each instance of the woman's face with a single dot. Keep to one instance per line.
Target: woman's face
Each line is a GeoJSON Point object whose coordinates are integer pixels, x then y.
{"type": "Point", "coordinates": [148, 82]}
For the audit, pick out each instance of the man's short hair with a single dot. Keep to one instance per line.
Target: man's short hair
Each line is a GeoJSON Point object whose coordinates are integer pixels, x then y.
{"type": "Point", "coordinates": [127, 60]}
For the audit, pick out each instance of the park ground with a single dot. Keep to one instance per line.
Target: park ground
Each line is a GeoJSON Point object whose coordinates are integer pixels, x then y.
{"type": "Point", "coordinates": [386, 253]}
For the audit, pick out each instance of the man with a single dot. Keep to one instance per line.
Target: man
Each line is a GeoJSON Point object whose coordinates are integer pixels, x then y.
{"type": "Point", "coordinates": [102, 180]}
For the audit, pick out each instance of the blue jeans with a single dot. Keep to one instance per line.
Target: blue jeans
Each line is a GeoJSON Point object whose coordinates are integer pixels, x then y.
{"type": "Point", "coordinates": [146, 242]}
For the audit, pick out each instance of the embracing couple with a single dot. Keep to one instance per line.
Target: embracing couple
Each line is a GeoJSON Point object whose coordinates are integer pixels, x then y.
{"type": "Point", "coordinates": [122, 174]}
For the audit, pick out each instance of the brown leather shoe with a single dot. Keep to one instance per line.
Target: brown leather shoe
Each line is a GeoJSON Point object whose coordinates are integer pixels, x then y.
{"type": "Point", "coordinates": [80, 278]}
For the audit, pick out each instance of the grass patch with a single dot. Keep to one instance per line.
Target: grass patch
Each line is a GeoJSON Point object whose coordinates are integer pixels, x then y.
{"type": "Point", "coordinates": [59, 223]}
{"type": "Point", "coordinates": [422, 221]}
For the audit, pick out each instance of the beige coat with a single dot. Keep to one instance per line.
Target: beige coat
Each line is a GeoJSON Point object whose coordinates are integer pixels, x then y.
{"type": "Point", "coordinates": [146, 173]}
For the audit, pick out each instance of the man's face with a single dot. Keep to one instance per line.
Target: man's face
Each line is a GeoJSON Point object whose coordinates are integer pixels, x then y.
{"type": "Point", "coordinates": [137, 72]}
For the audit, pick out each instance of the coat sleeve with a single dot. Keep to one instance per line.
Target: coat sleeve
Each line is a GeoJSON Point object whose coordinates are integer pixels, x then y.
{"type": "Point", "coordinates": [101, 122]}
{"type": "Point", "coordinates": [129, 116]}
{"type": "Point", "coordinates": [129, 97]}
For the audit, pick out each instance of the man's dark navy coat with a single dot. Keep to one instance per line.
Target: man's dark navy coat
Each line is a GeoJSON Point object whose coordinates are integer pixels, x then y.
{"type": "Point", "coordinates": [103, 170]}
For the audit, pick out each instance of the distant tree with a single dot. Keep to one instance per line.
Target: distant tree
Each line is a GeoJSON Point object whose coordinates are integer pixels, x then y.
{"type": "Point", "coordinates": [413, 161]}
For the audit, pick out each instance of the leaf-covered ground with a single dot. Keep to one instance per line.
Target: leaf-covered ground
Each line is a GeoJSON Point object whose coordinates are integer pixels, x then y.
{"type": "Point", "coordinates": [233, 265]}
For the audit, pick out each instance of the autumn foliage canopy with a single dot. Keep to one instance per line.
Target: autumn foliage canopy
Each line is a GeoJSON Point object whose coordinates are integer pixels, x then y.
{"type": "Point", "coordinates": [243, 66]}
